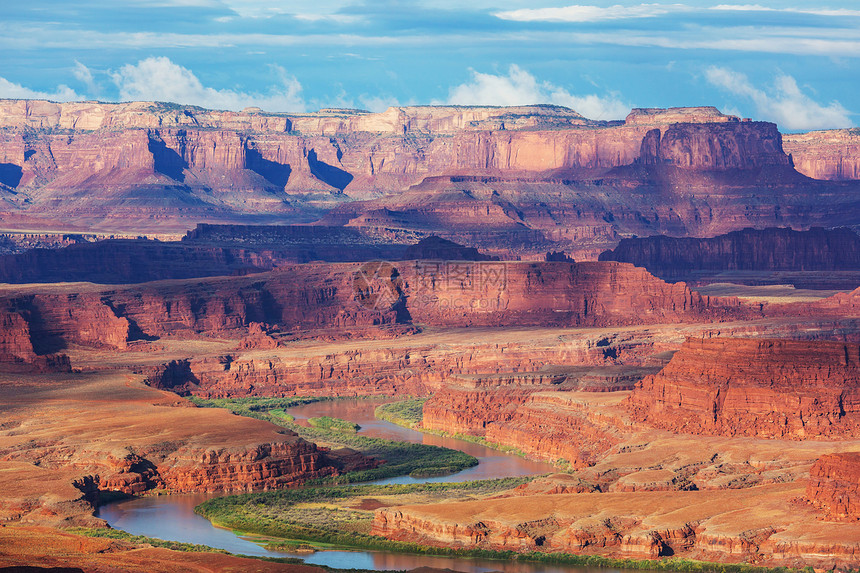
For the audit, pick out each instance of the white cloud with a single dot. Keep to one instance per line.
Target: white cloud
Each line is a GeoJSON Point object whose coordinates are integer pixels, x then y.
{"type": "Point", "coordinates": [577, 13]}
{"type": "Point", "coordinates": [85, 75]}
{"type": "Point", "coordinates": [519, 87]}
{"type": "Point", "coordinates": [814, 11]}
{"type": "Point", "coordinates": [269, 8]}
{"type": "Point", "coordinates": [786, 104]}
{"type": "Point", "coordinates": [332, 18]}
{"type": "Point", "coordinates": [378, 103]}
{"type": "Point", "coordinates": [159, 79]}
{"type": "Point", "coordinates": [9, 90]}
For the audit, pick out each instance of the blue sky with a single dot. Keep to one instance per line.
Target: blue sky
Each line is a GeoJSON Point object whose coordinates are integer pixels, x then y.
{"type": "Point", "coordinates": [792, 62]}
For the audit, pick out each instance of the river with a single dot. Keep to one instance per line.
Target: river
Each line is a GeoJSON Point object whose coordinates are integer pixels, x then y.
{"type": "Point", "coordinates": [172, 517]}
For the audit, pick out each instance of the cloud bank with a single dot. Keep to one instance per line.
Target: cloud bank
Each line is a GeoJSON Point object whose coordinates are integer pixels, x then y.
{"type": "Point", "coordinates": [519, 87]}
{"type": "Point", "coordinates": [785, 103]}
{"type": "Point", "coordinates": [579, 13]}
{"type": "Point", "coordinates": [9, 90]}
{"type": "Point", "coordinates": [159, 79]}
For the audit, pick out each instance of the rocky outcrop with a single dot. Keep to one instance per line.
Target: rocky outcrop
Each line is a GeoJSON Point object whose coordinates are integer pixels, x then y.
{"type": "Point", "coordinates": [550, 293]}
{"type": "Point", "coordinates": [265, 466]}
{"type": "Point", "coordinates": [344, 299]}
{"type": "Point", "coordinates": [755, 387]}
{"type": "Point", "coordinates": [436, 248]}
{"type": "Point", "coordinates": [552, 426]}
{"type": "Point", "coordinates": [773, 249]}
{"type": "Point", "coordinates": [713, 146]}
{"type": "Point", "coordinates": [834, 485]}
{"type": "Point", "coordinates": [15, 343]}
{"type": "Point", "coordinates": [833, 155]}
{"type": "Point", "coordinates": [709, 526]}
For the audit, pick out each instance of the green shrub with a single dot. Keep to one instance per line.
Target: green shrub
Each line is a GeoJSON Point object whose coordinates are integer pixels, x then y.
{"type": "Point", "coordinates": [407, 413]}
{"type": "Point", "coordinates": [334, 424]}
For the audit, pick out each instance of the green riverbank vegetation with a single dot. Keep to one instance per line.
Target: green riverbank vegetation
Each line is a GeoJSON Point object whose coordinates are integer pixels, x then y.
{"type": "Point", "coordinates": [341, 517]}
{"type": "Point", "coordinates": [401, 458]}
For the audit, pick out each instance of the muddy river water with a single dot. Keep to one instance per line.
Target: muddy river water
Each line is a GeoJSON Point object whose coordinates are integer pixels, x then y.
{"type": "Point", "coordinates": [172, 517]}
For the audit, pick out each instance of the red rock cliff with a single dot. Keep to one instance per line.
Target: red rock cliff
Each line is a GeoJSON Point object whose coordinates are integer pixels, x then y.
{"type": "Point", "coordinates": [755, 387]}
{"type": "Point", "coordinates": [834, 485]}
{"type": "Point", "coordinates": [351, 296]}
{"type": "Point", "coordinates": [551, 293]}
{"type": "Point", "coordinates": [833, 155]}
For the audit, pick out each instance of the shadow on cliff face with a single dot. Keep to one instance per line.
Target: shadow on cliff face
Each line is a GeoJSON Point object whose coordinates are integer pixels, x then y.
{"type": "Point", "coordinates": [277, 174]}
{"type": "Point", "coordinates": [328, 174]}
{"type": "Point", "coordinates": [167, 161]}
{"type": "Point", "coordinates": [10, 174]}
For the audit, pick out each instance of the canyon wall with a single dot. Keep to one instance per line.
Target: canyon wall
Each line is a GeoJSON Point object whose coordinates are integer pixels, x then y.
{"type": "Point", "coordinates": [542, 177]}
{"type": "Point", "coordinates": [706, 526]}
{"type": "Point", "coordinates": [346, 298]}
{"type": "Point", "coordinates": [755, 387]}
{"type": "Point", "coordinates": [546, 422]}
{"type": "Point", "coordinates": [773, 249]}
{"type": "Point", "coordinates": [460, 293]}
{"type": "Point", "coordinates": [834, 485]}
{"type": "Point", "coordinates": [833, 155]}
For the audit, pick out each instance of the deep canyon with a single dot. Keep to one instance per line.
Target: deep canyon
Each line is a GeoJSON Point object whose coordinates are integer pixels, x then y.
{"type": "Point", "coordinates": [667, 308]}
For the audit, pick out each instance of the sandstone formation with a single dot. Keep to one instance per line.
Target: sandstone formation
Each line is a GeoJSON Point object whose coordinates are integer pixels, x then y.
{"type": "Point", "coordinates": [833, 155]}
{"type": "Point", "coordinates": [773, 249]}
{"type": "Point", "coordinates": [834, 485]}
{"type": "Point", "coordinates": [545, 424]}
{"type": "Point", "coordinates": [713, 526]}
{"type": "Point", "coordinates": [550, 293]}
{"type": "Point", "coordinates": [108, 434]}
{"type": "Point", "coordinates": [755, 387]}
{"type": "Point", "coordinates": [348, 298]}
{"type": "Point", "coordinates": [476, 358]}
{"type": "Point", "coordinates": [543, 176]}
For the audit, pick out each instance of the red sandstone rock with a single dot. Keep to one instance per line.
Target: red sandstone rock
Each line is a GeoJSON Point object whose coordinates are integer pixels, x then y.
{"type": "Point", "coordinates": [834, 485]}
{"type": "Point", "coordinates": [265, 466]}
{"type": "Point", "coordinates": [346, 298]}
{"type": "Point", "coordinates": [755, 387]}
{"type": "Point", "coordinates": [534, 174]}
{"type": "Point", "coordinates": [562, 294]}
{"type": "Point", "coordinates": [15, 343]}
{"type": "Point", "coordinates": [544, 426]}
{"type": "Point", "coordinates": [833, 155]}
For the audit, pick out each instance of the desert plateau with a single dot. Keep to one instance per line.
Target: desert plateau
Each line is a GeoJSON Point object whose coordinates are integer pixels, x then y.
{"type": "Point", "coordinates": [693, 395]}
{"type": "Point", "coordinates": [502, 287]}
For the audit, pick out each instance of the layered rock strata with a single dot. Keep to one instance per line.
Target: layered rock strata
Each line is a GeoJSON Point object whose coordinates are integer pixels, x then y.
{"type": "Point", "coordinates": [349, 298]}
{"type": "Point", "coordinates": [833, 155]}
{"type": "Point", "coordinates": [543, 177]}
{"type": "Point", "coordinates": [755, 387]}
{"type": "Point", "coordinates": [834, 485]}
{"type": "Point", "coordinates": [548, 425]}
{"type": "Point", "coordinates": [712, 526]}
{"type": "Point", "coordinates": [114, 434]}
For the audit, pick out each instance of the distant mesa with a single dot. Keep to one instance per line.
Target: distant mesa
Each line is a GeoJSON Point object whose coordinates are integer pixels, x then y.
{"type": "Point", "coordinates": [758, 250]}
{"type": "Point", "coordinates": [512, 181]}
{"type": "Point", "coordinates": [558, 257]}
{"type": "Point", "coordinates": [437, 248]}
